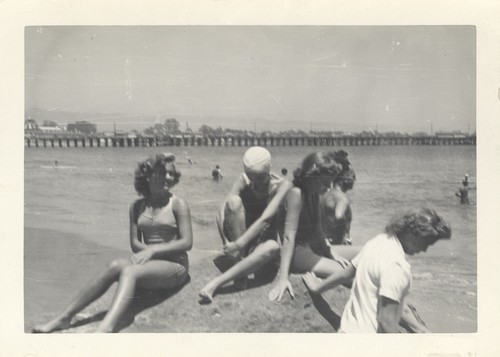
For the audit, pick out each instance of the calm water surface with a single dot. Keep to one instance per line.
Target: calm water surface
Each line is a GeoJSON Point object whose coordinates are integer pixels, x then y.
{"type": "Point", "coordinates": [89, 193]}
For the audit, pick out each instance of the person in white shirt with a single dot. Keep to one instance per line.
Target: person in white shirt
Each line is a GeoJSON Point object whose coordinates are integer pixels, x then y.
{"type": "Point", "coordinates": [382, 276]}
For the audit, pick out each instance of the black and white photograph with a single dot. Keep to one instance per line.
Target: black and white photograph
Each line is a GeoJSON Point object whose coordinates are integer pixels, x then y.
{"type": "Point", "coordinates": [371, 122]}
{"type": "Point", "coordinates": [264, 179]}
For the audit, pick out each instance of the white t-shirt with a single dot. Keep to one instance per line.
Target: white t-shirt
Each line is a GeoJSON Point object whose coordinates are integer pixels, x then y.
{"type": "Point", "coordinates": [381, 270]}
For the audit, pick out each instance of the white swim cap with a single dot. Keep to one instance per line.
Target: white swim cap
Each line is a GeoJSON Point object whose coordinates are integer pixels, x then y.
{"type": "Point", "coordinates": [257, 159]}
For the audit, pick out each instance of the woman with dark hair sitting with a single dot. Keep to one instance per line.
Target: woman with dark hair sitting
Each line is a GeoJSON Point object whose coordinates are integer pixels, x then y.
{"type": "Point", "coordinates": [382, 276]}
{"type": "Point", "coordinates": [160, 236]}
{"type": "Point", "coordinates": [304, 244]}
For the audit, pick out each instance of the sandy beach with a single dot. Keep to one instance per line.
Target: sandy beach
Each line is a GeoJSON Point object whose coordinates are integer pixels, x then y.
{"type": "Point", "coordinates": [174, 311]}
{"type": "Point", "coordinates": [177, 311]}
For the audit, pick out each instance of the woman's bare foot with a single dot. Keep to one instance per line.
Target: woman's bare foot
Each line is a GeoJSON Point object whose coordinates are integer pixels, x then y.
{"type": "Point", "coordinates": [53, 325]}
{"type": "Point", "coordinates": [206, 294]}
{"type": "Point", "coordinates": [312, 282]}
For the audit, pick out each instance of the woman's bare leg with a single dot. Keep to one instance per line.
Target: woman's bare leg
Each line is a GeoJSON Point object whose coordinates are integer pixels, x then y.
{"type": "Point", "coordinates": [326, 267]}
{"type": "Point", "coordinates": [87, 295]}
{"type": "Point", "coordinates": [262, 254]}
{"type": "Point", "coordinates": [346, 251]}
{"type": "Point", "coordinates": [231, 225]}
{"type": "Point", "coordinates": [155, 274]}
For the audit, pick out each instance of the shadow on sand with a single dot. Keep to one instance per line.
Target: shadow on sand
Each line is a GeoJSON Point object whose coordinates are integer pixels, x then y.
{"type": "Point", "coordinates": [143, 300]}
{"type": "Point", "coordinates": [263, 276]}
{"type": "Point", "coordinates": [325, 311]}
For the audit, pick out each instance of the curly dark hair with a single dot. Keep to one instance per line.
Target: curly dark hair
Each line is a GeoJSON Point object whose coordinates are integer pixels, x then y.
{"type": "Point", "coordinates": [424, 222]}
{"type": "Point", "coordinates": [145, 169]}
{"type": "Point", "coordinates": [347, 176]}
{"type": "Point", "coordinates": [316, 164]}
{"type": "Point", "coordinates": [340, 157]}
{"type": "Point", "coordinates": [346, 179]}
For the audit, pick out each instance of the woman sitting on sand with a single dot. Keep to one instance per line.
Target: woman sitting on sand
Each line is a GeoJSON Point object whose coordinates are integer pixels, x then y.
{"type": "Point", "coordinates": [247, 223]}
{"type": "Point", "coordinates": [160, 235]}
{"type": "Point", "coordinates": [304, 248]}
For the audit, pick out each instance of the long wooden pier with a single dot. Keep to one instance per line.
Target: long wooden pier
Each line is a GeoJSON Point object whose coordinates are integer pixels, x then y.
{"type": "Point", "coordinates": [48, 141]}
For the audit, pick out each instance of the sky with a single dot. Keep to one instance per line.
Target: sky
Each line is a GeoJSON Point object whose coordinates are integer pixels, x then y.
{"type": "Point", "coordinates": [349, 78]}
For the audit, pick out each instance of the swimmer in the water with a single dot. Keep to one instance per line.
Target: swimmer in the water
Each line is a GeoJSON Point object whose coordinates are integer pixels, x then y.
{"type": "Point", "coordinates": [463, 192]}
{"type": "Point", "coordinates": [217, 174]}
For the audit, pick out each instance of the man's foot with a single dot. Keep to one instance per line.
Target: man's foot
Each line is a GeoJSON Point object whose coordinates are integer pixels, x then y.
{"type": "Point", "coordinates": [54, 325]}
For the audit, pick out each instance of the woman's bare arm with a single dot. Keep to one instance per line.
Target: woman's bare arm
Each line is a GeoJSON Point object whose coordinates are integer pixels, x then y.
{"type": "Point", "coordinates": [318, 286]}
{"type": "Point", "coordinates": [293, 210]}
{"type": "Point", "coordinates": [272, 208]}
{"type": "Point", "coordinates": [135, 235]}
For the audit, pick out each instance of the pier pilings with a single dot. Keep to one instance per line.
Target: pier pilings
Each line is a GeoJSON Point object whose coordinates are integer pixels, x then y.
{"type": "Point", "coordinates": [99, 141]}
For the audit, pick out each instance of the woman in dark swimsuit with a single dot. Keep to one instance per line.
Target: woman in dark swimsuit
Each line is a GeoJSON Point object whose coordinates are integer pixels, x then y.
{"type": "Point", "coordinates": [247, 223]}
{"type": "Point", "coordinates": [304, 246]}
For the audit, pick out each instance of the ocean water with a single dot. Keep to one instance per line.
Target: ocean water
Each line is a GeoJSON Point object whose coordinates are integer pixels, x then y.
{"type": "Point", "coordinates": [88, 194]}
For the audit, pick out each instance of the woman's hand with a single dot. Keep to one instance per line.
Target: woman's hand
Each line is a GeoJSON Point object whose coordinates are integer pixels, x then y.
{"type": "Point", "coordinates": [232, 249]}
{"type": "Point", "coordinates": [276, 294]}
{"type": "Point", "coordinates": [347, 240]}
{"type": "Point", "coordinates": [141, 257]}
{"type": "Point", "coordinates": [344, 263]}
{"type": "Point", "coordinates": [312, 282]}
